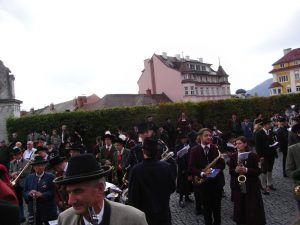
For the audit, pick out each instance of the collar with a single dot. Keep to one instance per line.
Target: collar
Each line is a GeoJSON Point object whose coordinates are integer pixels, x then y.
{"type": "Point", "coordinates": [266, 131]}
{"type": "Point", "coordinates": [108, 147]}
{"type": "Point", "coordinates": [40, 176]}
{"type": "Point", "coordinates": [203, 146]}
{"type": "Point", "coordinates": [99, 216]}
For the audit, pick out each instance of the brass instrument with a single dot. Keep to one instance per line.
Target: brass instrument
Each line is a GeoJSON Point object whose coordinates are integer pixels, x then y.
{"type": "Point", "coordinates": [199, 180]}
{"type": "Point", "coordinates": [242, 182]}
{"type": "Point", "coordinates": [166, 154]}
{"type": "Point", "coordinates": [297, 191]}
{"type": "Point", "coordinates": [32, 219]}
{"type": "Point", "coordinates": [14, 181]}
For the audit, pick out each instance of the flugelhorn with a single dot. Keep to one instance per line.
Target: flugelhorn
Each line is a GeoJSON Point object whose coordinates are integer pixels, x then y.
{"type": "Point", "coordinates": [14, 181]}
{"type": "Point", "coordinates": [297, 190]}
{"type": "Point", "coordinates": [242, 182]}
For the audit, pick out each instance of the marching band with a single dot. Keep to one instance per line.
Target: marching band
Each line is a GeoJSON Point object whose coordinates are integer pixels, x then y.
{"type": "Point", "coordinates": [51, 179]}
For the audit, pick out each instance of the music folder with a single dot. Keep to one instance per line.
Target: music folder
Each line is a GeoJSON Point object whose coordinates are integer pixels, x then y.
{"type": "Point", "coordinates": [213, 173]}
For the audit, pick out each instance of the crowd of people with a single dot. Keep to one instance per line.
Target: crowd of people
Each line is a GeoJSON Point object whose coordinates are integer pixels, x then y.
{"type": "Point", "coordinates": [56, 178]}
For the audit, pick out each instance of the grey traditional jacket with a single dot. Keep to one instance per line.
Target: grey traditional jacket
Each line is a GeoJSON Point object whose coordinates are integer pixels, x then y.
{"type": "Point", "coordinates": [119, 215]}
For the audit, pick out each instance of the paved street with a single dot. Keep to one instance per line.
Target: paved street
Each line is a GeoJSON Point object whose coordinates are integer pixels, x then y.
{"type": "Point", "coordinates": [280, 206]}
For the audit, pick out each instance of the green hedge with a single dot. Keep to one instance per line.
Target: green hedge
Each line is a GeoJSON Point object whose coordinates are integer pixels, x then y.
{"type": "Point", "coordinates": [206, 114]}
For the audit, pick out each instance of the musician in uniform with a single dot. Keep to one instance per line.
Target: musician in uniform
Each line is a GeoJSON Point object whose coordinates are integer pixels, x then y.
{"type": "Point", "coordinates": [151, 183]}
{"type": "Point", "coordinates": [106, 152]}
{"type": "Point", "coordinates": [184, 184]}
{"type": "Point", "coordinates": [293, 162]}
{"type": "Point", "coordinates": [206, 163]}
{"type": "Point", "coordinates": [15, 167]}
{"type": "Point", "coordinates": [85, 183]}
{"type": "Point", "coordinates": [39, 192]}
{"type": "Point", "coordinates": [59, 164]}
{"type": "Point", "coordinates": [266, 149]}
{"type": "Point", "coordinates": [119, 159]}
{"type": "Point", "coordinates": [248, 203]}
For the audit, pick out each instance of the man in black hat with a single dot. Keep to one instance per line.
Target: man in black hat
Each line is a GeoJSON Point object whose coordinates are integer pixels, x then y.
{"type": "Point", "coordinates": [42, 151]}
{"type": "Point", "coordinates": [59, 165]}
{"type": "Point", "coordinates": [15, 167]}
{"type": "Point", "coordinates": [119, 159]}
{"type": "Point", "coordinates": [282, 137]}
{"type": "Point", "coordinates": [266, 149]}
{"type": "Point", "coordinates": [85, 183]}
{"type": "Point", "coordinates": [150, 185]}
{"type": "Point", "coordinates": [75, 150]}
{"type": "Point", "coordinates": [39, 192]}
{"type": "Point", "coordinates": [293, 162]}
{"type": "Point", "coordinates": [293, 138]}
{"type": "Point", "coordinates": [136, 154]}
{"type": "Point", "coordinates": [106, 153]}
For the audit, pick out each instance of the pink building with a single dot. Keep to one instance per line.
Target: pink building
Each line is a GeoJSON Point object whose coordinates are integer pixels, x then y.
{"type": "Point", "coordinates": [183, 79]}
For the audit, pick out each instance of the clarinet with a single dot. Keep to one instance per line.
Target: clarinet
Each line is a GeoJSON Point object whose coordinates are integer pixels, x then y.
{"type": "Point", "coordinates": [93, 216]}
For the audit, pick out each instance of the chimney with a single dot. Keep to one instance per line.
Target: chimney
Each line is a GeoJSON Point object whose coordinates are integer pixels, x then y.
{"type": "Point", "coordinates": [187, 58]}
{"type": "Point", "coordinates": [200, 60]}
{"type": "Point", "coordinates": [178, 57]}
{"type": "Point", "coordinates": [286, 51]}
{"type": "Point", "coordinates": [164, 55]}
{"type": "Point", "coordinates": [148, 91]}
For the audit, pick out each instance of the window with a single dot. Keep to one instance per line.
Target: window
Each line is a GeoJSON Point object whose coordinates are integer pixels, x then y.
{"type": "Point", "coordinates": [296, 72]}
{"type": "Point", "coordinates": [228, 90]}
{"type": "Point", "coordinates": [296, 62]}
{"type": "Point", "coordinates": [196, 91]}
{"type": "Point", "coordinates": [192, 66]}
{"type": "Point", "coordinates": [207, 91]}
{"type": "Point", "coordinates": [283, 78]}
{"type": "Point", "coordinates": [279, 90]}
{"type": "Point", "coordinates": [201, 91]}
{"type": "Point", "coordinates": [274, 91]}
{"type": "Point", "coordinates": [298, 88]}
{"type": "Point", "coordinates": [282, 65]}
{"type": "Point", "coordinates": [203, 68]}
{"type": "Point", "coordinates": [186, 90]}
{"type": "Point", "coordinates": [288, 89]}
{"type": "Point", "coordinates": [192, 90]}
{"type": "Point", "coordinates": [198, 67]}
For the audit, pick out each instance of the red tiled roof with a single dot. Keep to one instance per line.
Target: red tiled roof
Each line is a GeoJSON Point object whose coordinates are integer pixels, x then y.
{"type": "Point", "coordinates": [285, 68]}
{"type": "Point", "coordinates": [291, 56]}
{"type": "Point", "coordinates": [275, 84]}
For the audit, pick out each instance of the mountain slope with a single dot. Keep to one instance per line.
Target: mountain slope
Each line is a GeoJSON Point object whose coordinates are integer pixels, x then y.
{"type": "Point", "coordinates": [262, 88]}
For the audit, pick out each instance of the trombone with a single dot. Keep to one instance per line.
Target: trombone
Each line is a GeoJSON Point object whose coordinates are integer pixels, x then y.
{"type": "Point", "coordinates": [14, 181]}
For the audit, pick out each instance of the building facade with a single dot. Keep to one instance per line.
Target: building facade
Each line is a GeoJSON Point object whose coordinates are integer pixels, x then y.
{"type": "Point", "coordinates": [285, 73]}
{"type": "Point", "coordinates": [183, 79]}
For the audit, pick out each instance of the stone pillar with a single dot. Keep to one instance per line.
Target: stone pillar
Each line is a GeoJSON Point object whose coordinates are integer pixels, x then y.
{"type": "Point", "coordinates": [8, 109]}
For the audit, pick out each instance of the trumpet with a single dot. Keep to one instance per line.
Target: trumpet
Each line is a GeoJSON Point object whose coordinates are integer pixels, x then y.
{"type": "Point", "coordinates": [14, 181]}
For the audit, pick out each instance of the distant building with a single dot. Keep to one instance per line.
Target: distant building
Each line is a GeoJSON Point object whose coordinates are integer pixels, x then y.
{"type": "Point", "coordinates": [183, 79]}
{"type": "Point", "coordinates": [93, 102]}
{"type": "Point", "coordinates": [286, 73]}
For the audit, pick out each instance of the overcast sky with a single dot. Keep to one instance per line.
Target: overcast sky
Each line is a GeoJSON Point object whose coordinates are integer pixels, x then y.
{"type": "Point", "coordinates": [59, 49]}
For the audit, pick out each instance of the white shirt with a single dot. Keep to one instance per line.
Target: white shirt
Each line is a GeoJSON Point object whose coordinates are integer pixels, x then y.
{"type": "Point", "coordinates": [29, 153]}
{"type": "Point", "coordinates": [99, 216]}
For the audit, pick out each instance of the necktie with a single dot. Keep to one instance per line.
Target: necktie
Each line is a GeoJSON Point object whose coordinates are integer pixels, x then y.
{"type": "Point", "coordinates": [17, 165]}
{"type": "Point", "coordinates": [206, 150]}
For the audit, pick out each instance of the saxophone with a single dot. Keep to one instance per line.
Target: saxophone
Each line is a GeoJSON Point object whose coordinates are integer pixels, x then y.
{"type": "Point", "coordinates": [199, 180]}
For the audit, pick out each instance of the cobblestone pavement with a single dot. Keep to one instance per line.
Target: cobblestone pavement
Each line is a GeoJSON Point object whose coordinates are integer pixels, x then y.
{"type": "Point", "coordinates": [280, 206]}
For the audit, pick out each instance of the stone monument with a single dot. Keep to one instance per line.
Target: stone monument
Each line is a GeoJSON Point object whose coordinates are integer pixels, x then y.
{"type": "Point", "coordinates": [9, 106]}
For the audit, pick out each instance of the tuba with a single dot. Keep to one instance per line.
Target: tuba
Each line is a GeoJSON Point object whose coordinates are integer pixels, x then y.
{"type": "Point", "coordinates": [297, 191]}
{"type": "Point", "coordinates": [199, 180]}
{"type": "Point", "coordinates": [14, 181]}
{"type": "Point", "coordinates": [166, 155]}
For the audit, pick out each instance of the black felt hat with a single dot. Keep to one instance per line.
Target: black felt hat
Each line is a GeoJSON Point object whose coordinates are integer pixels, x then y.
{"type": "Point", "coordinates": [182, 135]}
{"type": "Point", "coordinates": [76, 147]}
{"type": "Point", "coordinates": [282, 119]}
{"type": "Point", "coordinates": [82, 168]}
{"type": "Point", "coordinates": [143, 127]}
{"type": "Point", "coordinates": [55, 160]}
{"type": "Point", "coordinates": [16, 151]}
{"type": "Point", "coordinates": [120, 141]}
{"type": "Point", "coordinates": [258, 121]}
{"type": "Point", "coordinates": [38, 160]}
{"type": "Point", "coordinates": [41, 148]}
{"type": "Point", "coordinates": [265, 121]}
{"type": "Point", "coordinates": [296, 118]}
